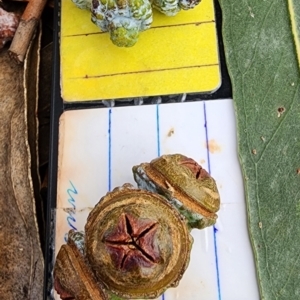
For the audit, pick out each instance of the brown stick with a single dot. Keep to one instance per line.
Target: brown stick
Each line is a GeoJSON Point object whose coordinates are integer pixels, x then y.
{"type": "Point", "coordinates": [26, 29]}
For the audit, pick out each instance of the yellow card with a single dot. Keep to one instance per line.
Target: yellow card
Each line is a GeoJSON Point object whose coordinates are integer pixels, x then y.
{"type": "Point", "coordinates": [176, 55]}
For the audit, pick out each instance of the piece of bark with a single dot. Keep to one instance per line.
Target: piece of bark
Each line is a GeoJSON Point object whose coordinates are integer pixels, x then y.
{"type": "Point", "coordinates": [26, 29]}
{"type": "Point", "coordinates": [21, 260]}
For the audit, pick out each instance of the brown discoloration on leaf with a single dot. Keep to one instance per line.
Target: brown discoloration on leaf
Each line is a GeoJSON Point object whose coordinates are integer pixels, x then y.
{"type": "Point", "coordinates": [280, 111]}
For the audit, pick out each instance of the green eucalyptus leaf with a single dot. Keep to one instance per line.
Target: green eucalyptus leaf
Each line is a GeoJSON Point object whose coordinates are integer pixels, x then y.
{"type": "Point", "coordinates": [262, 39]}
{"type": "Point", "coordinates": [294, 10]}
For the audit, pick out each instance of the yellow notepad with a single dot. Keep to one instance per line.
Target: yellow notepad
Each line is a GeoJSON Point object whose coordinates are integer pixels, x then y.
{"type": "Point", "coordinates": [176, 55]}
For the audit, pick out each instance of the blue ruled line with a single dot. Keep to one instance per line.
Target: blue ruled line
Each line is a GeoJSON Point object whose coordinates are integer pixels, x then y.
{"type": "Point", "coordinates": [158, 152]}
{"type": "Point", "coordinates": [109, 149]}
{"type": "Point", "coordinates": [157, 130]}
{"type": "Point", "coordinates": [215, 229]}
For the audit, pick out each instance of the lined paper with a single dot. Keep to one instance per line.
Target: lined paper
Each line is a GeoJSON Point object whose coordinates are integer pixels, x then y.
{"type": "Point", "coordinates": [97, 149]}
{"type": "Point", "coordinates": [181, 49]}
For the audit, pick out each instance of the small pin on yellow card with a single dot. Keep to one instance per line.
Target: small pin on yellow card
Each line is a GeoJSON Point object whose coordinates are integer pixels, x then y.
{"type": "Point", "coordinates": [176, 55]}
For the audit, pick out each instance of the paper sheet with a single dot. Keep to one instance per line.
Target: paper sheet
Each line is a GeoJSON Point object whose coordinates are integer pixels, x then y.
{"type": "Point", "coordinates": [98, 147]}
{"type": "Point", "coordinates": [181, 49]}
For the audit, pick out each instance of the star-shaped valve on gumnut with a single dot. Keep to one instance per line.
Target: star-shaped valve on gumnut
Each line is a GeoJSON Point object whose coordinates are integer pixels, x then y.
{"type": "Point", "coordinates": [131, 243]}
{"type": "Point", "coordinates": [197, 170]}
{"type": "Point", "coordinates": [136, 243]}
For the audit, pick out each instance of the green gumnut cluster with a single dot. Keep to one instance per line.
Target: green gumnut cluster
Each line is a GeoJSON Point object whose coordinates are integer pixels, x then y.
{"type": "Point", "coordinates": [125, 19]}
{"type": "Point", "coordinates": [172, 7]}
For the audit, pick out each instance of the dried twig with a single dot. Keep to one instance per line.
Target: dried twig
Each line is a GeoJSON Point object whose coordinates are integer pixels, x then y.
{"type": "Point", "coordinates": [26, 29]}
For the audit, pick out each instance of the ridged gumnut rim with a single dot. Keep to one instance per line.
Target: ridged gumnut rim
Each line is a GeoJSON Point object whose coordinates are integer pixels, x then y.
{"type": "Point", "coordinates": [175, 243]}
